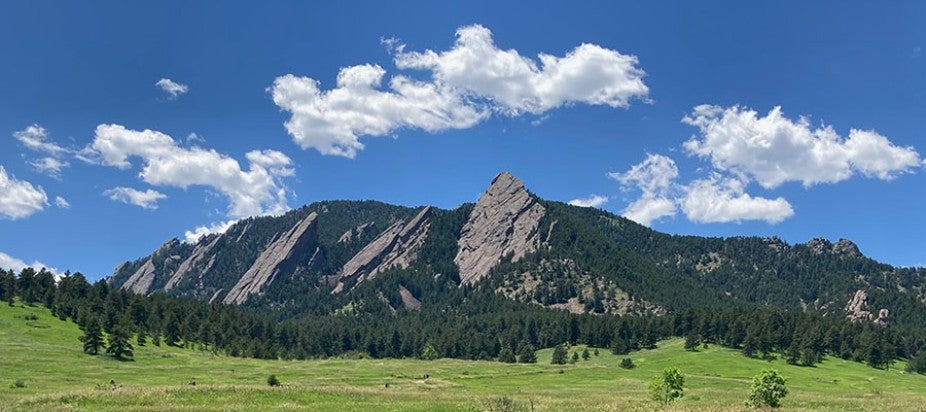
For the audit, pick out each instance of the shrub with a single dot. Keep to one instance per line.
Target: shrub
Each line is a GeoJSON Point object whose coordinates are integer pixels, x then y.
{"type": "Point", "coordinates": [668, 386]}
{"type": "Point", "coordinates": [917, 364]}
{"type": "Point", "coordinates": [768, 388]}
{"type": "Point", "coordinates": [627, 363]}
{"type": "Point", "coordinates": [503, 404]}
{"type": "Point", "coordinates": [18, 384]}
{"type": "Point", "coordinates": [273, 381]}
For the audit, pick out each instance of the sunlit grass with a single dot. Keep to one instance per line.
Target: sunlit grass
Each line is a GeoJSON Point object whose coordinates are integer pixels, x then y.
{"type": "Point", "coordinates": [46, 355]}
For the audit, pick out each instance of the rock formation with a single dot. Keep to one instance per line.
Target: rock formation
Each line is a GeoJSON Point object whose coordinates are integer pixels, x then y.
{"type": "Point", "coordinates": [301, 238]}
{"type": "Point", "coordinates": [857, 310]}
{"type": "Point", "coordinates": [503, 222]}
{"type": "Point", "coordinates": [195, 261]}
{"type": "Point", "coordinates": [843, 247]}
{"type": "Point", "coordinates": [397, 246]}
{"type": "Point", "coordinates": [140, 281]}
{"type": "Point", "coordinates": [846, 247]}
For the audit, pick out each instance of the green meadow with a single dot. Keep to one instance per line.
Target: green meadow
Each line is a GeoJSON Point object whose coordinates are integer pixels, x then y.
{"type": "Point", "coordinates": [44, 354]}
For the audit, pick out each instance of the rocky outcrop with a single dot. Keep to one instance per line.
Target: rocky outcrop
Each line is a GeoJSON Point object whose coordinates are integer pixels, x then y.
{"type": "Point", "coordinates": [503, 223]}
{"type": "Point", "coordinates": [408, 299]}
{"type": "Point", "coordinates": [140, 281]}
{"type": "Point", "coordinates": [857, 310]}
{"type": "Point", "coordinates": [352, 233]}
{"type": "Point", "coordinates": [197, 261]}
{"type": "Point", "coordinates": [397, 246]}
{"type": "Point", "coordinates": [843, 247]}
{"type": "Point", "coordinates": [776, 243]}
{"type": "Point", "coordinates": [846, 247]}
{"type": "Point", "coordinates": [301, 238]}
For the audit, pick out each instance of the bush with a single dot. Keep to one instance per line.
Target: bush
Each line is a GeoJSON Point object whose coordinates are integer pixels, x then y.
{"type": "Point", "coordinates": [503, 404]}
{"type": "Point", "coordinates": [627, 363]}
{"type": "Point", "coordinates": [668, 386]}
{"type": "Point", "coordinates": [18, 384]}
{"type": "Point", "coordinates": [273, 381]}
{"type": "Point", "coordinates": [768, 388]}
{"type": "Point", "coordinates": [918, 363]}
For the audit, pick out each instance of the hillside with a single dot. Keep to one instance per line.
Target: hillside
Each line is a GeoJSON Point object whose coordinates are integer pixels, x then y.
{"type": "Point", "coordinates": [44, 353]}
{"type": "Point", "coordinates": [325, 256]}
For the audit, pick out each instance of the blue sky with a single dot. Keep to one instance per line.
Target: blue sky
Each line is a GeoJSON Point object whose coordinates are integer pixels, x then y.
{"type": "Point", "coordinates": [715, 118]}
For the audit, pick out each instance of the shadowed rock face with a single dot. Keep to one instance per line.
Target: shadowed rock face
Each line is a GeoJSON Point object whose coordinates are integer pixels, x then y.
{"type": "Point", "coordinates": [140, 281]}
{"type": "Point", "coordinates": [196, 263]}
{"type": "Point", "coordinates": [504, 221]}
{"type": "Point", "coordinates": [301, 238]}
{"type": "Point", "coordinates": [397, 246]}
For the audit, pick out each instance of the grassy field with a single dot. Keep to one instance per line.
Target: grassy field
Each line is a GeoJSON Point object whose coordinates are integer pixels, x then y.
{"type": "Point", "coordinates": [45, 354]}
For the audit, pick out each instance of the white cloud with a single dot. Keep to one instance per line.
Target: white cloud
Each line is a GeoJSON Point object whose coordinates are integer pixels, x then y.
{"type": "Point", "coordinates": [172, 88]}
{"type": "Point", "coordinates": [467, 83]}
{"type": "Point", "coordinates": [50, 166]}
{"type": "Point", "coordinates": [8, 262]}
{"type": "Point", "coordinates": [193, 236]}
{"type": "Point", "coordinates": [254, 192]}
{"type": "Point", "coordinates": [722, 200]}
{"type": "Point", "coordinates": [147, 199]}
{"type": "Point", "coordinates": [774, 150]}
{"type": "Point", "coordinates": [655, 178]}
{"type": "Point", "coordinates": [19, 198]}
{"type": "Point", "coordinates": [591, 201]}
{"type": "Point", "coordinates": [34, 137]}
{"type": "Point", "coordinates": [588, 74]}
{"type": "Point", "coordinates": [62, 203]}
{"type": "Point", "coordinates": [333, 121]}
{"type": "Point", "coordinates": [647, 209]}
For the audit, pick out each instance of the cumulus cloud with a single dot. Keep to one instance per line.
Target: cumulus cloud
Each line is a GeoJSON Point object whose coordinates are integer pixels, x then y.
{"type": "Point", "coordinates": [172, 88]}
{"type": "Point", "coordinates": [588, 74]}
{"type": "Point", "coordinates": [333, 121]}
{"type": "Point", "coordinates": [257, 191]}
{"type": "Point", "coordinates": [193, 236]}
{"type": "Point", "coordinates": [774, 149]}
{"type": "Point", "coordinates": [591, 201]}
{"type": "Point", "coordinates": [35, 138]}
{"type": "Point", "coordinates": [655, 179]}
{"type": "Point", "coordinates": [146, 200]}
{"type": "Point", "coordinates": [62, 203]}
{"type": "Point", "coordinates": [467, 84]}
{"type": "Point", "coordinates": [19, 198]}
{"type": "Point", "coordinates": [8, 262]}
{"type": "Point", "coordinates": [722, 200]}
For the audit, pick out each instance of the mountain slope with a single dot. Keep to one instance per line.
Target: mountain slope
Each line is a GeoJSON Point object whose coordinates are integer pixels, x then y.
{"type": "Point", "coordinates": [321, 257]}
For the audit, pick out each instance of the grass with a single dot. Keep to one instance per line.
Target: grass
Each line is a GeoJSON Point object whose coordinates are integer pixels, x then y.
{"type": "Point", "coordinates": [44, 353]}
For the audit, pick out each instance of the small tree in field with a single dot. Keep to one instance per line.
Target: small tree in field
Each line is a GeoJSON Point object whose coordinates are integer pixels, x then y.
{"type": "Point", "coordinates": [668, 386]}
{"type": "Point", "coordinates": [768, 388]}
{"type": "Point", "coordinates": [559, 355]}
{"type": "Point", "coordinates": [119, 345]}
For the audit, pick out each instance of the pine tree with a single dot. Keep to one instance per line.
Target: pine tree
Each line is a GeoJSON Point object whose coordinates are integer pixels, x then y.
{"type": "Point", "coordinates": [93, 337]}
{"type": "Point", "coordinates": [585, 354]}
{"type": "Point", "coordinates": [526, 353]}
{"type": "Point", "coordinates": [119, 346]}
{"type": "Point", "coordinates": [506, 355]}
{"type": "Point", "coordinates": [559, 354]}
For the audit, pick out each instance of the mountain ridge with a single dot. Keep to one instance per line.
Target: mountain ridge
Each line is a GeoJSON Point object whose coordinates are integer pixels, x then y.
{"type": "Point", "coordinates": [515, 244]}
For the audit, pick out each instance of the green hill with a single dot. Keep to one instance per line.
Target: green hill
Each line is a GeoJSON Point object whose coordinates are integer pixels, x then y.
{"type": "Point", "coordinates": [44, 353]}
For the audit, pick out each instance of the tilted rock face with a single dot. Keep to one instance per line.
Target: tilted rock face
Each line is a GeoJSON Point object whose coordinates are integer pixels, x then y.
{"type": "Point", "coordinates": [504, 221]}
{"type": "Point", "coordinates": [302, 237]}
{"type": "Point", "coordinates": [397, 246]}
{"type": "Point", "coordinates": [195, 261]}
{"type": "Point", "coordinates": [140, 281]}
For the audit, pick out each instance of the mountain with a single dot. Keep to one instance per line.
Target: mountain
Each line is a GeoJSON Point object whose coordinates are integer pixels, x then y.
{"type": "Point", "coordinates": [333, 256]}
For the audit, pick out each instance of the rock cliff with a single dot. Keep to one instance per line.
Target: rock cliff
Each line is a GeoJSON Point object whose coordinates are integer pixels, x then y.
{"type": "Point", "coordinates": [503, 222]}
{"type": "Point", "coordinates": [302, 238]}
{"type": "Point", "coordinates": [397, 246]}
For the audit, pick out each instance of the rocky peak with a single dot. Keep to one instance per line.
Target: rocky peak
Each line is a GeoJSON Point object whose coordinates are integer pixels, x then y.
{"type": "Point", "coordinates": [503, 222]}
{"type": "Point", "coordinates": [776, 243]}
{"type": "Point", "coordinates": [846, 247]}
{"type": "Point", "coordinates": [140, 281]}
{"type": "Point", "coordinates": [819, 246]}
